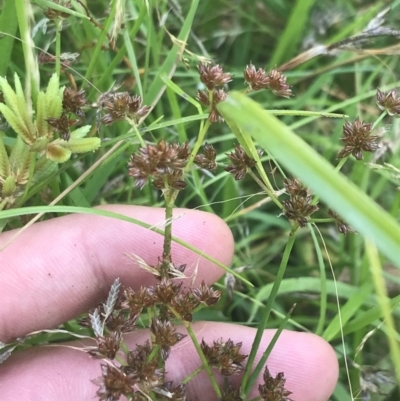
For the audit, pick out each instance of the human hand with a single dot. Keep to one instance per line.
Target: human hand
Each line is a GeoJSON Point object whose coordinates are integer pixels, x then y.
{"type": "Point", "coordinates": [60, 268]}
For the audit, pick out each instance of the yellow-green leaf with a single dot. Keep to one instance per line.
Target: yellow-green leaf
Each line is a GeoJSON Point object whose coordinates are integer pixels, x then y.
{"type": "Point", "coordinates": [10, 97]}
{"type": "Point", "coordinates": [82, 145]}
{"type": "Point", "coordinates": [24, 110]}
{"type": "Point", "coordinates": [8, 186]}
{"type": "Point", "coordinates": [41, 115]}
{"type": "Point", "coordinates": [57, 153]}
{"type": "Point", "coordinates": [4, 163]}
{"type": "Point", "coordinates": [16, 124]}
{"type": "Point", "coordinates": [81, 132]}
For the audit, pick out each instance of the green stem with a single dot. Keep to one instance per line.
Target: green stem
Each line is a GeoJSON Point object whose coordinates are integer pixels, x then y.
{"type": "Point", "coordinates": [203, 359]}
{"type": "Point", "coordinates": [169, 207]}
{"type": "Point", "coordinates": [379, 119]}
{"type": "Point", "coordinates": [58, 46]}
{"type": "Point", "coordinates": [270, 193]}
{"type": "Point", "coordinates": [193, 374]}
{"type": "Point", "coordinates": [199, 142]}
{"type": "Point", "coordinates": [268, 307]}
{"type": "Point", "coordinates": [136, 131]}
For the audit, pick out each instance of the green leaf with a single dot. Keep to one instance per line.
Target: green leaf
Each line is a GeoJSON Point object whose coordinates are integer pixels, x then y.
{"type": "Point", "coordinates": [16, 123]}
{"type": "Point", "coordinates": [10, 97]}
{"type": "Point", "coordinates": [4, 163]}
{"type": "Point", "coordinates": [20, 161]}
{"type": "Point", "coordinates": [368, 218]}
{"type": "Point", "coordinates": [23, 108]}
{"type": "Point", "coordinates": [41, 115]}
{"type": "Point", "coordinates": [81, 132]}
{"type": "Point", "coordinates": [82, 145]}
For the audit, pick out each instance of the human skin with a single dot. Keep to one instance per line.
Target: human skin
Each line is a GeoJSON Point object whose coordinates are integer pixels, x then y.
{"type": "Point", "coordinates": [62, 267]}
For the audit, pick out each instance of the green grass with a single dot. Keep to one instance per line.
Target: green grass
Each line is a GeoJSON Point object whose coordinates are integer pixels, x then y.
{"type": "Point", "coordinates": [337, 281]}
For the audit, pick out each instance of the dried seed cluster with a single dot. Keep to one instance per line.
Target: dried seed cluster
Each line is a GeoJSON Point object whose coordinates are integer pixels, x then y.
{"type": "Point", "coordinates": [357, 139]}
{"type": "Point", "coordinates": [275, 81]}
{"type": "Point", "coordinates": [240, 162]}
{"type": "Point", "coordinates": [298, 207]}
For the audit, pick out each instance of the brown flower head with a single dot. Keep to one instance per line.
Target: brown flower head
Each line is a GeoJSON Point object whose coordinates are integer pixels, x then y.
{"type": "Point", "coordinates": [177, 393]}
{"type": "Point", "coordinates": [184, 304]}
{"type": "Point", "coordinates": [121, 321]}
{"type": "Point", "coordinates": [165, 336]}
{"type": "Point", "coordinates": [224, 355]}
{"type": "Point", "coordinates": [73, 101]}
{"type": "Point", "coordinates": [299, 206]}
{"type": "Point", "coordinates": [257, 79]}
{"type": "Point", "coordinates": [53, 14]}
{"type": "Point", "coordinates": [241, 162]}
{"type": "Point", "coordinates": [165, 291]}
{"type": "Point", "coordinates": [135, 301]}
{"type": "Point", "coordinates": [342, 226]}
{"type": "Point", "coordinates": [217, 96]}
{"type": "Point", "coordinates": [357, 139]}
{"type": "Point", "coordinates": [62, 125]}
{"type": "Point", "coordinates": [213, 75]}
{"type": "Point", "coordinates": [230, 392]}
{"type": "Point", "coordinates": [113, 383]}
{"type": "Point", "coordinates": [388, 101]}
{"type": "Point", "coordinates": [107, 346]}
{"type": "Point", "coordinates": [121, 105]}
{"type": "Point", "coordinates": [206, 295]}
{"type": "Point", "coordinates": [207, 160]}
{"type": "Point", "coordinates": [172, 179]}
{"type": "Point", "coordinates": [277, 84]}
{"type": "Point", "coordinates": [141, 370]}
{"type": "Point", "coordinates": [159, 161]}
{"type": "Point", "coordinates": [273, 388]}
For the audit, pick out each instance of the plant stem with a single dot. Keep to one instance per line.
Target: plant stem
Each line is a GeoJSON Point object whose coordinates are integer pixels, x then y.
{"type": "Point", "coordinates": [270, 193]}
{"type": "Point", "coordinates": [169, 207]}
{"type": "Point", "coordinates": [58, 46]}
{"type": "Point", "coordinates": [268, 307]}
{"type": "Point", "coordinates": [197, 145]}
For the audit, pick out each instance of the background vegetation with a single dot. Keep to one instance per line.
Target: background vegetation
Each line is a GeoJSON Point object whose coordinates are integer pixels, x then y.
{"type": "Point", "coordinates": [152, 49]}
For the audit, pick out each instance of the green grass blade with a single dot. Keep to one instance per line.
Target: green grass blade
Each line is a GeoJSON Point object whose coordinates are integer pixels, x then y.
{"type": "Point", "coordinates": [9, 25]}
{"type": "Point", "coordinates": [369, 219]}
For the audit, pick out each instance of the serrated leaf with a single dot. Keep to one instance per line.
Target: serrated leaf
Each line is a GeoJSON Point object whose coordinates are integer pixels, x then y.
{"type": "Point", "coordinates": [23, 108]}
{"type": "Point", "coordinates": [4, 162]}
{"type": "Point", "coordinates": [82, 145]}
{"type": "Point", "coordinates": [17, 124]}
{"type": "Point", "coordinates": [41, 115]}
{"type": "Point", "coordinates": [57, 153]}
{"type": "Point", "coordinates": [10, 97]}
{"type": "Point", "coordinates": [81, 132]}
{"type": "Point", "coordinates": [44, 168]}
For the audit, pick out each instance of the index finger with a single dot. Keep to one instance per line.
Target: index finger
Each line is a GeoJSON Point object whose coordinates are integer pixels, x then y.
{"type": "Point", "coordinates": [60, 268]}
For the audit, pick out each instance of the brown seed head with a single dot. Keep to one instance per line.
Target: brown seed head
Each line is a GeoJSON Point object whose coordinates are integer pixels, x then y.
{"type": "Point", "coordinates": [218, 95]}
{"type": "Point", "coordinates": [240, 162]}
{"type": "Point", "coordinates": [113, 383]}
{"type": "Point", "coordinates": [165, 336]}
{"type": "Point", "coordinates": [53, 14]}
{"type": "Point", "coordinates": [121, 105]}
{"type": "Point", "coordinates": [206, 295]}
{"type": "Point", "coordinates": [224, 355]}
{"type": "Point", "coordinates": [159, 161]}
{"type": "Point", "coordinates": [184, 304]}
{"type": "Point", "coordinates": [136, 301]}
{"type": "Point", "coordinates": [277, 84]}
{"type": "Point", "coordinates": [213, 75]}
{"type": "Point", "coordinates": [73, 101]}
{"type": "Point", "coordinates": [388, 101]}
{"type": "Point", "coordinates": [357, 139]}
{"type": "Point", "coordinates": [177, 393]}
{"type": "Point", "coordinates": [107, 346]}
{"type": "Point", "coordinates": [342, 226]}
{"type": "Point", "coordinates": [230, 392]}
{"type": "Point", "coordinates": [62, 125]}
{"type": "Point", "coordinates": [273, 389]}
{"type": "Point", "coordinates": [257, 79]}
{"type": "Point", "coordinates": [207, 160]}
